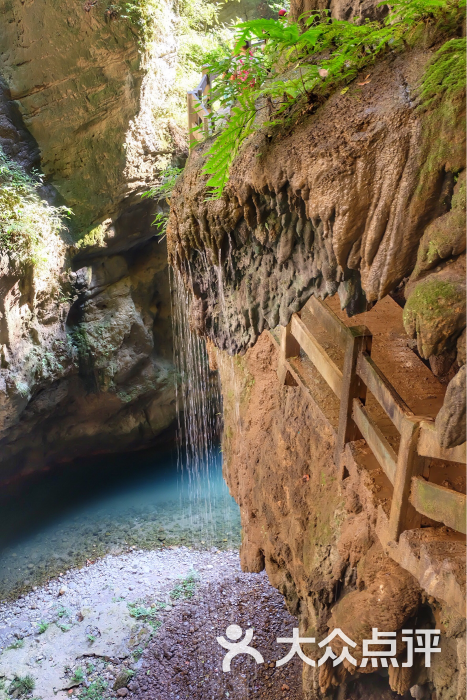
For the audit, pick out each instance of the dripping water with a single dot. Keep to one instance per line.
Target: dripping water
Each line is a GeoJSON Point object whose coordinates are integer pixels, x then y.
{"type": "Point", "coordinates": [199, 411]}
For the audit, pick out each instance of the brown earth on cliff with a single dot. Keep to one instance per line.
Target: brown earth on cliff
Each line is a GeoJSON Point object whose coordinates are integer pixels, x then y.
{"type": "Point", "coordinates": [315, 534]}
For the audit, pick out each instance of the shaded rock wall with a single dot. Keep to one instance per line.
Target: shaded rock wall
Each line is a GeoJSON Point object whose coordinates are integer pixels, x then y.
{"type": "Point", "coordinates": [75, 76]}
{"type": "Point", "coordinates": [85, 341]}
{"type": "Point", "coordinates": [86, 349]}
{"type": "Point", "coordinates": [315, 535]}
{"type": "Point", "coordinates": [341, 9]}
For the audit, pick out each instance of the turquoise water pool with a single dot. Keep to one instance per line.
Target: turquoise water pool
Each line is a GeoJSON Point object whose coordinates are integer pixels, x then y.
{"type": "Point", "coordinates": [79, 512]}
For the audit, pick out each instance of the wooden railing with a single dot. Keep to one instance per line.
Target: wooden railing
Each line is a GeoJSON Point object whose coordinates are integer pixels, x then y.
{"type": "Point", "coordinates": [412, 495]}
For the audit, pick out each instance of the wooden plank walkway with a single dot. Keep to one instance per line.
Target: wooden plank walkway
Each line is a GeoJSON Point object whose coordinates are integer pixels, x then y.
{"type": "Point", "coordinates": [367, 381]}
{"type": "Point", "coordinates": [410, 492]}
{"type": "Point", "coordinates": [408, 374]}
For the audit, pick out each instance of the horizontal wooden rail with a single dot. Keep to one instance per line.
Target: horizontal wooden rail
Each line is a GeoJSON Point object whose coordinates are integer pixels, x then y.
{"type": "Point", "coordinates": [317, 354]}
{"type": "Point", "coordinates": [428, 446]}
{"type": "Point", "coordinates": [375, 439]}
{"type": "Point", "coordinates": [382, 390]}
{"type": "Point", "coordinates": [439, 503]}
{"type": "Point", "coordinates": [338, 331]}
{"type": "Point", "coordinates": [412, 496]}
{"type": "Point", "coordinates": [204, 83]}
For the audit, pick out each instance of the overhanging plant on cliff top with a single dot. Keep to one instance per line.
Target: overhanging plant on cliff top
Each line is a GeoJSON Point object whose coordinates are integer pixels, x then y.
{"type": "Point", "coordinates": [304, 61]}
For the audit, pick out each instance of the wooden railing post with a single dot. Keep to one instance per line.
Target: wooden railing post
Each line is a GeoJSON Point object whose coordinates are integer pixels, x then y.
{"type": "Point", "coordinates": [290, 347]}
{"type": "Point", "coordinates": [403, 515]}
{"type": "Point", "coordinates": [191, 117]}
{"type": "Point", "coordinates": [352, 388]}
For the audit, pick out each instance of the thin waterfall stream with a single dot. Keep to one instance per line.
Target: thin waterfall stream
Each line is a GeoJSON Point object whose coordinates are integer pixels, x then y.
{"type": "Point", "coordinates": [199, 411]}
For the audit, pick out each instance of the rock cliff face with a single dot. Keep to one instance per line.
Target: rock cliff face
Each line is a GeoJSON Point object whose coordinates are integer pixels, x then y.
{"type": "Point", "coordinates": [315, 536]}
{"type": "Point", "coordinates": [341, 9]}
{"type": "Point", "coordinates": [337, 204]}
{"type": "Point", "coordinates": [361, 198]}
{"type": "Point", "coordinates": [85, 339]}
{"type": "Point", "coordinates": [75, 73]}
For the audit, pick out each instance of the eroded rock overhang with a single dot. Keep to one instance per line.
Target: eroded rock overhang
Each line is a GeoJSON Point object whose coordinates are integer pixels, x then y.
{"type": "Point", "coordinates": [337, 203]}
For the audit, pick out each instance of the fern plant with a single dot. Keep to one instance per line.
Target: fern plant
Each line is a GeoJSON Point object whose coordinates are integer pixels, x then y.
{"type": "Point", "coordinates": [161, 192]}
{"type": "Point", "coordinates": [304, 61]}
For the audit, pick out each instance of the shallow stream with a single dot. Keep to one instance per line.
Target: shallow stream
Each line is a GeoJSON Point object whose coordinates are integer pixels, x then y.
{"type": "Point", "coordinates": [77, 513]}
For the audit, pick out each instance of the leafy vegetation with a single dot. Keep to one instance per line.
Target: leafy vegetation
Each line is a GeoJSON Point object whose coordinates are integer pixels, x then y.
{"type": "Point", "coordinates": [162, 192]}
{"type": "Point", "coordinates": [141, 14]}
{"type": "Point", "coordinates": [141, 612]}
{"type": "Point", "coordinates": [94, 691]}
{"type": "Point", "coordinates": [445, 76]}
{"type": "Point", "coordinates": [299, 64]}
{"type": "Point", "coordinates": [64, 626]}
{"type": "Point", "coordinates": [137, 654]}
{"type": "Point", "coordinates": [144, 15]}
{"type": "Point", "coordinates": [198, 34]}
{"type": "Point", "coordinates": [78, 676]}
{"type": "Point", "coordinates": [21, 685]}
{"type": "Point", "coordinates": [43, 627]}
{"type": "Point", "coordinates": [17, 644]}
{"type": "Point", "coordinates": [187, 586]}
{"type": "Point", "coordinates": [94, 237]}
{"type": "Point", "coordinates": [27, 222]}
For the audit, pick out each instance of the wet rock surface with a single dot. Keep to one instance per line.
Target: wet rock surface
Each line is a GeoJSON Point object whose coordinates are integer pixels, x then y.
{"type": "Point", "coordinates": [363, 198]}
{"type": "Point", "coordinates": [314, 533]}
{"type": "Point", "coordinates": [337, 203]}
{"type": "Point", "coordinates": [85, 345]}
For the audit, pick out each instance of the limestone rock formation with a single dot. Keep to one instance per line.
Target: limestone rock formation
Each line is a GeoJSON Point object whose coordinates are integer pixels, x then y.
{"type": "Point", "coordinates": [450, 421]}
{"type": "Point", "coordinates": [75, 74]}
{"type": "Point", "coordinates": [337, 203]}
{"type": "Point", "coordinates": [315, 536]}
{"type": "Point", "coordinates": [362, 197]}
{"type": "Point", "coordinates": [85, 337]}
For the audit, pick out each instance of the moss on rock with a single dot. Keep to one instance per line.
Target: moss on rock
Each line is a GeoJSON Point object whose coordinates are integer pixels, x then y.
{"type": "Point", "coordinates": [435, 309]}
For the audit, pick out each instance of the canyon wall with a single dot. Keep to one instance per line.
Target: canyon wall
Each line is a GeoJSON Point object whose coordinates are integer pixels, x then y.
{"type": "Point", "coordinates": [88, 107]}
{"type": "Point", "coordinates": [337, 204]}
{"type": "Point", "coordinates": [362, 197]}
{"type": "Point", "coordinates": [315, 534]}
{"type": "Point", "coordinates": [85, 332]}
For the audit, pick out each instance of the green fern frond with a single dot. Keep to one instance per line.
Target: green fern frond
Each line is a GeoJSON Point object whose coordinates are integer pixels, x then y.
{"type": "Point", "coordinates": [295, 63]}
